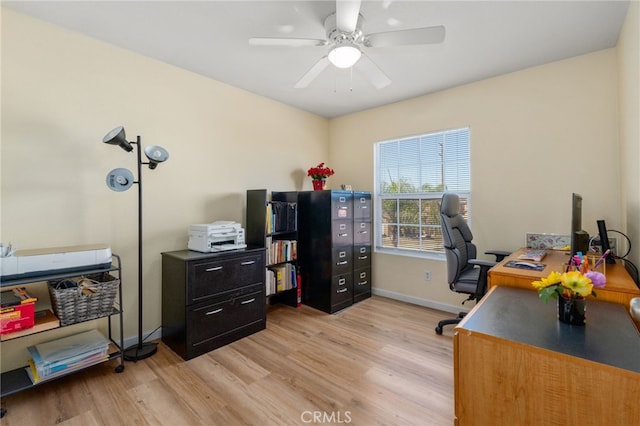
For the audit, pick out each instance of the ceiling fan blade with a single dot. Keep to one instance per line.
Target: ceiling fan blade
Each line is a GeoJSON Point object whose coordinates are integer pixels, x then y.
{"type": "Point", "coordinates": [288, 42]}
{"type": "Point", "coordinates": [375, 75]}
{"type": "Point", "coordinates": [347, 12]}
{"type": "Point", "coordinates": [312, 73]}
{"type": "Point", "coordinates": [427, 35]}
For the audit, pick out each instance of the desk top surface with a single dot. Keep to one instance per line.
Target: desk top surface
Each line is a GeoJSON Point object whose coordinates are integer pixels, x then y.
{"type": "Point", "coordinates": [618, 279]}
{"type": "Point", "coordinates": [609, 336]}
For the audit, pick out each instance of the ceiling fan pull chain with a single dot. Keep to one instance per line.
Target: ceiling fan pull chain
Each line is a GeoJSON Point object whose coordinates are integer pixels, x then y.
{"type": "Point", "coordinates": [351, 79]}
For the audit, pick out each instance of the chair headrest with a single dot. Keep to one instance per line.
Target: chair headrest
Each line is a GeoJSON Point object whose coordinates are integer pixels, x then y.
{"type": "Point", "coordinates": [450, 205]}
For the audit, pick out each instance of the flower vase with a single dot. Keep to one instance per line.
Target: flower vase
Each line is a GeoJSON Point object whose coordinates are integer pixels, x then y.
{"type": "Point", "coordinates": [319, 184]}
{"type": "Point", "coordinates": [572, 311]}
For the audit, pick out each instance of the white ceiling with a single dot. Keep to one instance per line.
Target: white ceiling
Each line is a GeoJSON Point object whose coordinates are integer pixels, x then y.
{"type": "Point", "coordinates": [483, 39]}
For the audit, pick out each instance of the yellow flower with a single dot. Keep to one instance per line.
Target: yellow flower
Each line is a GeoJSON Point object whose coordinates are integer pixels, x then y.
{"type": "Point", "coordinates": [553, 278]}
{"type": "Point", "coordinates": [577, 283]}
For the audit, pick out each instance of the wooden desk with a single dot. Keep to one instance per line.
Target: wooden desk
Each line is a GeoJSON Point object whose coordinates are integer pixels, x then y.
{"type": "Point", "coordinates": [515, 363]}
{"type": "Point", "coordinates": [620, 287]}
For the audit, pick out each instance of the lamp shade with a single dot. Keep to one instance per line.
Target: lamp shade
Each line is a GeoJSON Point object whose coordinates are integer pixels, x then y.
{"type": "Point", "coordinates": [156, 154]}
{"type": "Point", "coordinates": [119, 179]}
{"type": "Point", "coordinates": [117, 137]}
{"type": "Point", "coordinates": [344, 56]}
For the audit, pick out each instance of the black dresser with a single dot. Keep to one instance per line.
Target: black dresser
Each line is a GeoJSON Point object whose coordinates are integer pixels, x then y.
{"type": "Point", "coordinates": [211, 299]}
{"type": "Point", "coordinates": [325, 248]}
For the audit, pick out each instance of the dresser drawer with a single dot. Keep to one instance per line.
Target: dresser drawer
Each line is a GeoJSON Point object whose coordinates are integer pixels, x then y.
{"type": "Point", "coordinates": [342, 260]}
{"type": "Point", "coordinates": [342, 233]}
{"type": "Point", "coordinates": [361, 256]}
{"type": "Point", "coordinates": [212, 321]}
{"type": "Point", "coordinates": [218, 276]}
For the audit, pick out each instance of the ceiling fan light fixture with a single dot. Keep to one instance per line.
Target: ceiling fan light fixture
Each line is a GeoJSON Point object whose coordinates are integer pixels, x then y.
{"type": "Point", "coordinates": [344, 55]}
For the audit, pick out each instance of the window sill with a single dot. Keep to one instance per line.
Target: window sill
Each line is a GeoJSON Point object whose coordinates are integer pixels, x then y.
{"type": "Point", "coordinates": [411, 253]}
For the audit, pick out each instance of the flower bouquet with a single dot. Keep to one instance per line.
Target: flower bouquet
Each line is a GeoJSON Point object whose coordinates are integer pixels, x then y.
{"type": "Point", "coordinates": [570, 288]}
{"type": "Point", "coordinates": [319, 174]}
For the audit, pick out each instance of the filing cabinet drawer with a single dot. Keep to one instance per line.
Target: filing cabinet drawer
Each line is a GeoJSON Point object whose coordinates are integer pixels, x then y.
{"type": "Point", "coordinates": [361, 232]}
{"type": "Point", "coordinates": [342, 260]}
{"type": "Point", "coordinates": [361, 256]}
{"type": "Point", "coordinates": [342, 233]}
{"type": "Point", "coordinates": [341, 205]}
{"type": "Point", "coordinates": [362, 206]}
{"type": "Point", "coordinates": [361, 282]}
{"type": "Point", "coordinates": [215, 277]}
{"type": "Point", "coordinates": [342, 289]}
{"type": "Point", "coordinates": [214, 320]}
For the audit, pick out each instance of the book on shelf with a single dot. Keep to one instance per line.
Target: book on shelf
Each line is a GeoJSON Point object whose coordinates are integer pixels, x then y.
{"type": "Point", "coordinates": [43, 320]}
{"type": "Point", "coordinates": [281, 278]}
{"type": "Point", "coordinates": [535, 255]}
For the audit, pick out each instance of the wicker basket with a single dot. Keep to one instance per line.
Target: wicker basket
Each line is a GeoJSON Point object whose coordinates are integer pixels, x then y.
{"type": "Point", "coordinates": [83, 298]}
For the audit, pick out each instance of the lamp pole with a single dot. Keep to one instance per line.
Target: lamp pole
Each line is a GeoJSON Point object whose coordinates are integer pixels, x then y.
{"type": "Point", "coordinates": [141, 350]}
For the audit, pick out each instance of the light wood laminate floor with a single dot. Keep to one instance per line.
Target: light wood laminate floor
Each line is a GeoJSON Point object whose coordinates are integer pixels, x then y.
{"type": "Point", "coordinates": [378, 362]}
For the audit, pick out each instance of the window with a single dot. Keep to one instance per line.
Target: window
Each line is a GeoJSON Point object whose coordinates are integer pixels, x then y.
{"type": "Point", "coordinates": [410, 176]}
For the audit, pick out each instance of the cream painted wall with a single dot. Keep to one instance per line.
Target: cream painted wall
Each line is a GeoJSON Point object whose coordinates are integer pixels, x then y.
{"type": "Point", "coordinates": [62, 92]}
{"type": "Point", "coordinates": [537, 135]}
{"type": "Point", "coordinates": [629, 68]}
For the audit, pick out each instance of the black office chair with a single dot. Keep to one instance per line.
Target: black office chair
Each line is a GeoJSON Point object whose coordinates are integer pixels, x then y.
{"type": "Point", "coordinates": [466, 274]}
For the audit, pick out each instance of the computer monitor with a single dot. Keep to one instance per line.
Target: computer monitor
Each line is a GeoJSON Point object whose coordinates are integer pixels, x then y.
{"type": "Point", "coordinates": [579, 238]}
{"type": "Point", "coordinates": [604, 240]}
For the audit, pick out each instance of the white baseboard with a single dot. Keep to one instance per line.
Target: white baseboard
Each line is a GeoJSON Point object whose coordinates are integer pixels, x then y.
{"type": "Point", "coordinates": [454, 309]}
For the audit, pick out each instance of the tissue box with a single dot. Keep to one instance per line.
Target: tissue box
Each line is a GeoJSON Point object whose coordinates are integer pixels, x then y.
{"type": "Point", "coordinates": [17, 318]}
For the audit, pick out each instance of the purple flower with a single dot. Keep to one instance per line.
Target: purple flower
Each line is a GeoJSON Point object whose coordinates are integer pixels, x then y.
{"type": "Point", "coordinates": [597, 278]}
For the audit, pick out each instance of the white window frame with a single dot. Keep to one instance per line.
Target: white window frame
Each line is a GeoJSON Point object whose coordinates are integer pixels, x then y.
{"type": "Point", "coordinates": [451, 185]}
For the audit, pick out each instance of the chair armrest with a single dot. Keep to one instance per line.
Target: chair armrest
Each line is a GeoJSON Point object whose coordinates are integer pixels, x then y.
{"type": "Point", "coordinates": [499, 254]}
{"type": "Point", "coordinates": [482, 263]}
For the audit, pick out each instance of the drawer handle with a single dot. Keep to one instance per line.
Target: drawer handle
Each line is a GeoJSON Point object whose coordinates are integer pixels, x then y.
{"type": "Point", "coordinates": [217, 311]}
{"type": "Point", "coordinates": [363, 232]}
{"type": "Point", "coordinates": [344, 262]}
{"type": "Point", "coordinates": [217, 268]}
{"type": "Point", "coordinates": [244, 302]}
{"type": "Point", "coordinates": [362, 283]}
{"type": "Point", "coordinates": [342, 281]}
{"type": "Point", "coordinates": [362, 257]}
{"type": "Point", "coordinates": [346, 234]}
{"type": "Point", "coordinates": [342, 290]}
{"type": "Point", "coordinates": [248, 262]}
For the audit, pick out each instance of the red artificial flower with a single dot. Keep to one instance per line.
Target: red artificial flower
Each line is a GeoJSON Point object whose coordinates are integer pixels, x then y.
{"type": "Point", "coordinates": [320, 172]}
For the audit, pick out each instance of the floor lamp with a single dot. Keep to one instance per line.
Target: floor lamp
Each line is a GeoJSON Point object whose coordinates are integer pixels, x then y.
{"type": "Point", "coordinates": [120, 180]}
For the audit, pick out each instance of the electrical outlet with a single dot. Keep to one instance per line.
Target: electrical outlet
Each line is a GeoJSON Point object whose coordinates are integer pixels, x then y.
{"type": "Point", "coordinates": [427, 275]}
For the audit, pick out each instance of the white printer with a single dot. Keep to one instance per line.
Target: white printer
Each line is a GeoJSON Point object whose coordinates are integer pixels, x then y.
{"type": "Point", "coordinates": [39, 262]}
{"type": "Point", "coordinates": [217, 236]}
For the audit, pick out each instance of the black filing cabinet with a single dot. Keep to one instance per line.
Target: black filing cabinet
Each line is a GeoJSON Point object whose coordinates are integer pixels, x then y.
{"type": "Point", "coordinates": [362, 240]}
{"type": "Point", "coordinates": [325, 248]}
{"type": "Point", "coordinates": [211, 299]}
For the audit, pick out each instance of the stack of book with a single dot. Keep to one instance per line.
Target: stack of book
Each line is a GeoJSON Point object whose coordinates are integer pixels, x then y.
{"type": "Point", "coordinates": [62, 356]}
{"type": "Point", "coordinates": [280, 278]}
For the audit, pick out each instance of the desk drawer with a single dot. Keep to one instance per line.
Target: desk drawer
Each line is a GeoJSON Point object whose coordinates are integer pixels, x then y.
{"type": "Point", "coordinates": [210, 321]}
{"type": "Point", "coordinates": [216, 277]}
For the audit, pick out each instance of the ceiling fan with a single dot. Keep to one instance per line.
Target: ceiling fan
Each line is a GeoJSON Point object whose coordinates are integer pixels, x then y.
{"type": "Point", "coordinates": [347, 43]}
